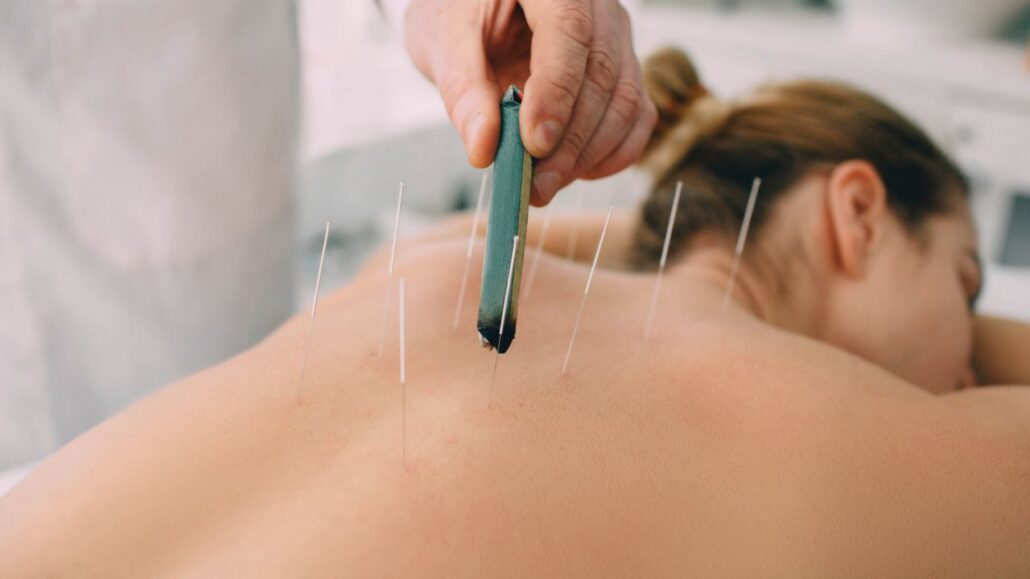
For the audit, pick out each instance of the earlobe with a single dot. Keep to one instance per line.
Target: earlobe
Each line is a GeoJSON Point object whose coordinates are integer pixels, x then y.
{"type": "Point", "coordinates": [856, 202]}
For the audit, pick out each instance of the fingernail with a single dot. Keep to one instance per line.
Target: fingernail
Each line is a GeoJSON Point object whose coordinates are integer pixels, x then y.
{"type": "Point", "coordinates": [546, 136]}
{"type": "Point", "coordinates": [546, 184]}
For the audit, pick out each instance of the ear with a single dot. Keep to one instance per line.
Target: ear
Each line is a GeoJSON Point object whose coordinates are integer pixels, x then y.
{"type": "Point", "coordinates": [856, 202]}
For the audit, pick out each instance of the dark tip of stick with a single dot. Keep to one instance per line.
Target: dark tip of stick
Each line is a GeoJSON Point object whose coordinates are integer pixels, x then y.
{"type": "Point", "coordinates": [493, 340]}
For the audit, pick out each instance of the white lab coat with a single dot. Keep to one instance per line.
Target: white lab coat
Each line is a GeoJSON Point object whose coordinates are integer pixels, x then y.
{"type": "Point", "coordinates": [147, 154]}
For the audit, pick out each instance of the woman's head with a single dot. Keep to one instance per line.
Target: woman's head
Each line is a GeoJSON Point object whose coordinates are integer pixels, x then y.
{"type": "Point", "coordinates": [861, 227]}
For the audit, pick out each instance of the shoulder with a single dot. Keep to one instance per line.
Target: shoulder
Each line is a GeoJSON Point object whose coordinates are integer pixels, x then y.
{"type": "Point", "coordinates": [871, 463]}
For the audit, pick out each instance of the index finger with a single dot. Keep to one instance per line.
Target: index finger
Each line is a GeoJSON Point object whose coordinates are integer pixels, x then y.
{"type": "Point", "coordinates": [562, 31]}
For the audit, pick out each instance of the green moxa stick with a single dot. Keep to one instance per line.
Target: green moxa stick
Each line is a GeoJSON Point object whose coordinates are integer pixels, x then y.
{"type": "Point", "coordinates": [509, 211]}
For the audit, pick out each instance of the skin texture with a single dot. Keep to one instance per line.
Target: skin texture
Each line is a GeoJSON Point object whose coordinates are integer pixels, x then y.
{"type": "Point", "coordinates": [584, 115]}
{"type": "Point", "coordinates": [725, 446]}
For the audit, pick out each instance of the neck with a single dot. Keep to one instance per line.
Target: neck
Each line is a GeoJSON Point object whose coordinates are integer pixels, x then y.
{"type": "Point", "coordinates": [751, 293]}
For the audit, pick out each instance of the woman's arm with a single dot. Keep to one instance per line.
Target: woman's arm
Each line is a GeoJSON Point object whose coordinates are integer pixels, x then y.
{"type": "Point", "coordinates": [576, 236]}
{"type": "Point", "coordinates": [1001, 351]}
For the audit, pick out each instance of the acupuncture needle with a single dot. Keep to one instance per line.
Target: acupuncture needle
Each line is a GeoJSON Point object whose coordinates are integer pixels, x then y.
{"type": "Point", "coordinates": [468, 252]}
{"type": "Point", "coordinates": [538, 251]}
{"type": "Point", "coordinates": [404, 394]}
{"type": "Point", "coordinates": [389, 275]}
{"type": "Point", "coordinates": [741, 238]}
{"type": "Point", "coordinates": [586, 290]}
{"type": "Point", "coordinates": [504, 318]}
{"type": "Point", "coordinates": [314, 306]}
{"type": "Point", "coordinates": [665, 256]}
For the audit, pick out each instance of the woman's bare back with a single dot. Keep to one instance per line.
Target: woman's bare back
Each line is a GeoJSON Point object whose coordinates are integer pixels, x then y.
{"type": "Point", "coordinates": [719, 447]}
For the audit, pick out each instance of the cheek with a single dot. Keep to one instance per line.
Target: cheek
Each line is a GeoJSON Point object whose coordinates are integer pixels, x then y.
{"type": "Point", "coordinates": [909, 317]}
{"type": "Point", "coordinates": [942, 335]}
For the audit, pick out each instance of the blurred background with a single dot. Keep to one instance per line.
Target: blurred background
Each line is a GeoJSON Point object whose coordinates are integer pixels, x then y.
{"type": "Point", "coordinates": [166, 170]}
{"type": "Point", "coordinates": [959, 68]}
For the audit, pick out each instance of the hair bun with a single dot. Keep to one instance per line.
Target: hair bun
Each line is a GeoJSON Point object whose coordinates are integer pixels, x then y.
{"type": "Point", "coordinates": [672, 83]}
{"type": "Point", "coordinates": [687, 111]}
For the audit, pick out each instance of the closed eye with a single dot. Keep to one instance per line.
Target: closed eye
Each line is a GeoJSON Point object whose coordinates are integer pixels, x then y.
{"type": "Point", "coordinates": [972, 278]}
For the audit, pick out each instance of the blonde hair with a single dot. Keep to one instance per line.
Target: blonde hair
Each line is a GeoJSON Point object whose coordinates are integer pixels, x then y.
{"type": "Point", "coordinates": [779, 132]}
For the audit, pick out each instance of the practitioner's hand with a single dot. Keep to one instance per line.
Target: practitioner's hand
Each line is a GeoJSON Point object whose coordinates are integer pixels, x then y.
{"type": "Point", "coordinates": [584, 112]}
